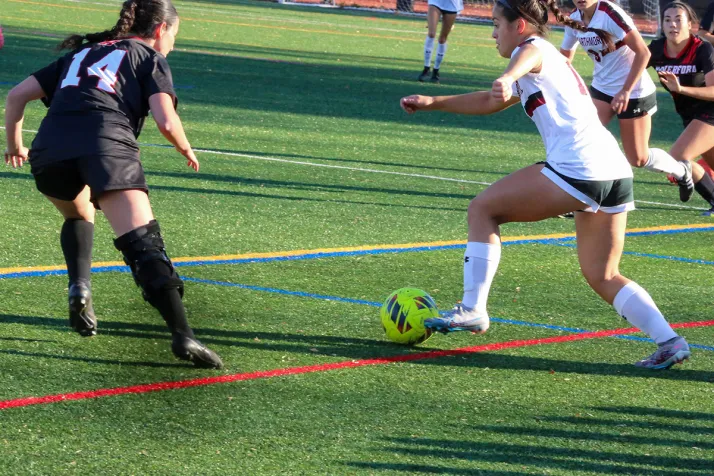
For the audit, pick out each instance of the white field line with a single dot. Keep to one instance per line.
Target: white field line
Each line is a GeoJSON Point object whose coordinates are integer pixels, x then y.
{"type": "Point", "coordinates": [311, 164]}
{"type": "Point", "coordinates": [675, 205]}
{"type": "Point", "coordinates": [360, 169]}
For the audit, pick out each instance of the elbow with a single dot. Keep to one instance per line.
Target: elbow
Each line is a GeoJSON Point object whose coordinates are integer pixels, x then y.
{"type": "Point", "coordinates": [166, 126]}
{"type": "Point", "coordinates": [13, 96]}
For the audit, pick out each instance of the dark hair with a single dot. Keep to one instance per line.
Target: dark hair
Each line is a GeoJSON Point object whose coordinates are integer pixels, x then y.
{"type": "Point", "coordinates": [606, 38]}
{"type": "Point", "coordinates": [691, 14]}
{"type": "Point", "coordinates": [137, 17]}
{"type": "Point", "coordinates": [532, 11]}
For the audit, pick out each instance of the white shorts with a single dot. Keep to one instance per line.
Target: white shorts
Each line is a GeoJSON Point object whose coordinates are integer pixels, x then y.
{"type": "Point", "coordinates": [448, 6]}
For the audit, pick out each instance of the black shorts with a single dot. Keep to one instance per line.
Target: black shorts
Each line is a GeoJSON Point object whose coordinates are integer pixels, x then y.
{"type": "Point", "coordinates": [637, 107]}
{"type": "Point", "coordinates": [705, 117]}
{"type": "Point", "coordinates": [609, 196]}
{"type": "Point", "coordinates": [66, 179]}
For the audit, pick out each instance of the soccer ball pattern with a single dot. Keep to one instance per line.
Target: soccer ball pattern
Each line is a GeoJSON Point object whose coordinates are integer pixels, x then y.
{"type": "Point", "coordinates": [403, 315]}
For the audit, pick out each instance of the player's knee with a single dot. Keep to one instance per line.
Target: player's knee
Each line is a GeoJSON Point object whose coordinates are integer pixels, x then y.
{"type": "Point", "coordinates": [479, 210]}
{"type": "Point", "coordinates": [144, 252]}
{"type": "Point", "coordinates": [598, 277]}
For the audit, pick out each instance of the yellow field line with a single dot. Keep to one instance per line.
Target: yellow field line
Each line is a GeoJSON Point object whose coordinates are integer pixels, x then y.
{"type": "Point", "coordinates": [277, 254]}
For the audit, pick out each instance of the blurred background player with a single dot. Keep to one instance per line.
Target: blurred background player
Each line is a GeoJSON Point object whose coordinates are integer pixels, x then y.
{"type": "Point", "coordinates": [706, 26]}
{"type": "Point", "coordinates": [685, 65]}
{"type": "Point", "coordinates": [584, 170]}
{"type": "Point", "coordinates": [85, 154]}
{"type": "Point", "coordinates": [609, 36]}
{"type": "Point", "coordinates": [447, 10]}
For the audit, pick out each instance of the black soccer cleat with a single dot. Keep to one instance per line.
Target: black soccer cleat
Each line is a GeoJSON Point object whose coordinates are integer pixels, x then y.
{"type": "Point", "coordinates": [81, 313]}
{"type": "Point", "coordinates": [686, 184]}
{"type": "Point", "coordinates": [187, 348]}
{"type": "Point", "coordinates": [424, 74]}
{"type": "Point", "coordinates": [435, 76]}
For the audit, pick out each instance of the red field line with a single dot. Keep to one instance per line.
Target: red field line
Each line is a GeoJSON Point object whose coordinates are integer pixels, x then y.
{"type": "Point", "coordinates": [348, 364]}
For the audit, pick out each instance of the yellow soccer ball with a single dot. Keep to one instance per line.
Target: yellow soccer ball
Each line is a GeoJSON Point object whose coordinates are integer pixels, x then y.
{"type": "Point", "coordinates": [403, 315]}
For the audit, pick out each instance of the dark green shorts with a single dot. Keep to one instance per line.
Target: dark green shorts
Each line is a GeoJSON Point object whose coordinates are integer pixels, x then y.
{"type": "Point", "coordinates": [609, 196]}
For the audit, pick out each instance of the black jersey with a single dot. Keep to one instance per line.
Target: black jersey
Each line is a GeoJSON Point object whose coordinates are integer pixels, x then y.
{"type": "Point", "coordinates": [690, 66]}
{"type": "Point", "coordinates": [98, 98]}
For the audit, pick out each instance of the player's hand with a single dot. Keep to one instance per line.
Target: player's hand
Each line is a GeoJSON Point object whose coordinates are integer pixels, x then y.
{"type": "Point", "coordinates": [192, 160]}
{"type": "Point", "coordinates": [620, 101]}
{"type": "Point", "coordinates": [16, 157]}
{"type": "Point", "coordinates": [414, 103]}
{"type": "Point", "coordinates": [670, 81]}
{"type": "Point", "coordinates": [502, 88]}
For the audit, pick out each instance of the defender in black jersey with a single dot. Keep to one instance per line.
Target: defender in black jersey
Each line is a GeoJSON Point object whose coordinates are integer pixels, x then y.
{"type": "Point", "coordinates": [86, 154]}
{"type": "Point", "coordinates": [685, 65]}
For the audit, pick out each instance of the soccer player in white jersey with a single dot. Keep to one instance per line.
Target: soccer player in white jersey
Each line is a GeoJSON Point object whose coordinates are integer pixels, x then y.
{"type": "Point", "coordinates": [609, 36]}
{"type": "Point", "coordinates": [584, 170]}
{"type": "Point", "coordinates": [447, 10]}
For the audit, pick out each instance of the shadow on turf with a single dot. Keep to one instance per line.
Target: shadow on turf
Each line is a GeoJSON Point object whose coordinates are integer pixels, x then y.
{"type": "Point", "coordinates": [309, 186]}
{"type": "Point", "coordinates": [621, 432]}
{"type": "Point", "coordinates": [312, 187]}
{"type": "Point", "coordinates": [513, 362]}
{"type": "Point", "coordinates": [296, 199]}
{"type": "Point", "coordinates": [364, 348]}
{"type": "Point", "coordinates": [123, 363]}
{"type": "Point", "coordinates": [539, 454]}
{"type": "Point", "coordinates": [430, 469]}
{"type": "Point", "coordinates": [659, 412]}
{"type": "Point", "coordinates": [22, 339]}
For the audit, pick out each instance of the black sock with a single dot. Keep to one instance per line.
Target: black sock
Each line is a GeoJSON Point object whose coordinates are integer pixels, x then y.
{"type": "Point", "coordinates": [77, 239]}
{"type": "Point", "coordinates": [705, 188]}
{"type": "Point", "coordinates": [144, 251]}
{"type": "Point", "coordinates": [169, 304]}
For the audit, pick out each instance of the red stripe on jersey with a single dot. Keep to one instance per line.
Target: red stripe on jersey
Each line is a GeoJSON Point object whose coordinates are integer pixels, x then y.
{"type": "Point", "coordinates": [688, 54]}
{"type": "Point", "coordinates": [533, 102]}
{"type": "Point", "coordinates": [615, 15]}
{"type": "Point", "coordinates": [693, 45]}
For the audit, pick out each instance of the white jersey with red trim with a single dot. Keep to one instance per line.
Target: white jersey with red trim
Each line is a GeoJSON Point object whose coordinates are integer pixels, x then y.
{"type": "Point", "coordinates": [611, 69]}
{"type": "Point", "coordinates": [448, 5]}
{"type": "Point", "coordinates": [577, 145]}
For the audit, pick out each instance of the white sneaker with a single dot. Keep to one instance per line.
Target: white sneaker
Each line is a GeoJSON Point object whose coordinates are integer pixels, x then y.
{"type": "Point", "coordinates": [460, 318]}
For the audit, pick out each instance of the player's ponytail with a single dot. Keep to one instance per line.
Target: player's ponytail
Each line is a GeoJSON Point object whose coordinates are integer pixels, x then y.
{"type": "Point", "coordinates": [137, 17]}
{"type": "Point", "coordinates": [606, 38]}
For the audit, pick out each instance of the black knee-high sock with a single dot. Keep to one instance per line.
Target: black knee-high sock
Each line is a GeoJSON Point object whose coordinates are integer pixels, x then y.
{"type": "Point", "coordinates": [77, 239]}
{"type": "Point", "coordinates": [169, 304]}
{"type": "Point", "coordinates": [705, 188]}
{"type": "Point", "coordinates": [144, 251]}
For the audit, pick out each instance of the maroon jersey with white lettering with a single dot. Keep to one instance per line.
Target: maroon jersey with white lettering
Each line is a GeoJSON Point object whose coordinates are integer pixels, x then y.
{"type": "Point", "coordinates": [98, 97]}
{"type": "Point", "coordinates": [690, 66]}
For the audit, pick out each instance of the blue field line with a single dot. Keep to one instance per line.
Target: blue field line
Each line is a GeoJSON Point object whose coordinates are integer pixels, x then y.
{"type": "Point", "coordinates": [648, 255]}
{"type": "Point", "coordinates": [379, 304]}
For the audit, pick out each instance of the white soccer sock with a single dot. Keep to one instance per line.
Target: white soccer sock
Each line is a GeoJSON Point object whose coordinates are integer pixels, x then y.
{"type": "Point", "coordinates": [634, 304]}
{"type": "Point", "coordinates": [660, 161]}
{"type": "Point", "coordinates": [428, 48]}
{"type": "Point", "coordinates": [480, 265]}
{"type": "Point", "coordinates": [440, 52]}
